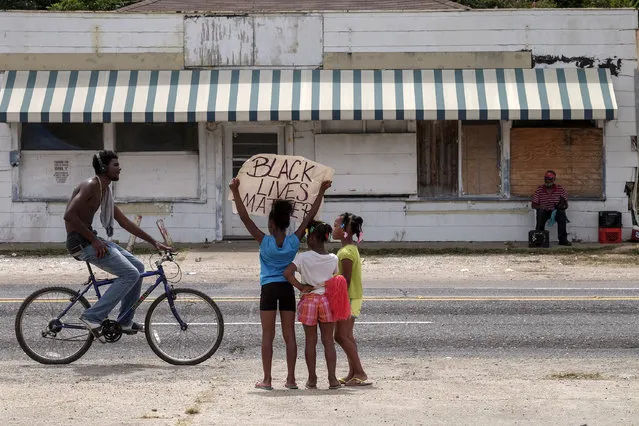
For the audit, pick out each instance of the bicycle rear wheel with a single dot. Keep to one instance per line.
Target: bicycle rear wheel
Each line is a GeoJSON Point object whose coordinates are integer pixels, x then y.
{"type": "Point", "coordinates": [45, 337]}
{"type": "Point", "coordinates": [192, 343]}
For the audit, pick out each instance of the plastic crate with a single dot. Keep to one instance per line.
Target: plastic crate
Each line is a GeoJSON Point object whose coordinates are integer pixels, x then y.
{"type": "Point", "coordinates": [610, 220]}
{"type": "Point", "coordinates": [609, 235]}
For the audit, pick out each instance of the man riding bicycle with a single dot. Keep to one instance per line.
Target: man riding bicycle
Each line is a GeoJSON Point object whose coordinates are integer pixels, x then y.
{"type": "Point", "coordinates": [84, 244]}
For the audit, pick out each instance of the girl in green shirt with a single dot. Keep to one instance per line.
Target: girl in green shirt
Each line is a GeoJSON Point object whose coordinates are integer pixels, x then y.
{"type": "Point", "coordinates": [348, 229]}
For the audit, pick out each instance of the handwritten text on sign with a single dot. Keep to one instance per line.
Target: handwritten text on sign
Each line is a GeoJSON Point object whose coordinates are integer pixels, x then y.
{"type": "Point", "coordinates": [268, 177]}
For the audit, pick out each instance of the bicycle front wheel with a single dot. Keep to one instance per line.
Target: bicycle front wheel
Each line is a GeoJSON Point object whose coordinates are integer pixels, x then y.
{"type": "Point", "coordinates": [46, 336]}
{"type": "Point", "coordinates": [195, 339]}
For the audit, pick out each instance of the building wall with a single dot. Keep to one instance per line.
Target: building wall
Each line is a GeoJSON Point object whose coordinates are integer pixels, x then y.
{"type": "Point", "coordinates": [555, 38]}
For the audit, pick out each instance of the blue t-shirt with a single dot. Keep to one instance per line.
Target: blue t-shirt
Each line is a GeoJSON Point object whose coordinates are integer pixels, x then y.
{"type": "Point", "coordinates": [274, 259]}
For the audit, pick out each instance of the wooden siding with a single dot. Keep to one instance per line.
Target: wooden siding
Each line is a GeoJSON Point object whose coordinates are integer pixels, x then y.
{"type": "Point", "coordinates": [574, 154]}
{"type": "Point", "coordinates": [96, 33]}
{"type": "Point", "coordinates": [545, 32]}
{"type": "Point", "coordinates": [480, 158]}
{"type": "Point", "coordinates": [437, 158]}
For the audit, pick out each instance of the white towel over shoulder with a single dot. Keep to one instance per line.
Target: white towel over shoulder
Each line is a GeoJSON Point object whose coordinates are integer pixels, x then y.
{"type": "Point", "coordinates": [107, 209]}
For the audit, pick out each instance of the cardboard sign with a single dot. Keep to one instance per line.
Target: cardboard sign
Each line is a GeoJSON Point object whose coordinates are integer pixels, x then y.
{"type": "Point", "coordinates": [265, 178]}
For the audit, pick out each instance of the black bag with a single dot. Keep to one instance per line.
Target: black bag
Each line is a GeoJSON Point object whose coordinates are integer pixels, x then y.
{"type": "Point", "coordinates": [538, 239]}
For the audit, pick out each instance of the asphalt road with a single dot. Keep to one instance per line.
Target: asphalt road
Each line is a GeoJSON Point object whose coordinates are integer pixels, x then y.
{"type": "Point", "coordinates": [596, 321]}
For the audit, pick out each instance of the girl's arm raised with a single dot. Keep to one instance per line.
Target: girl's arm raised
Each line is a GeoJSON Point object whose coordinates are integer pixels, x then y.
{"type": "Point", "coordinates": [314, 209]}
{"type": "Point", "coordinates": [241, 210]}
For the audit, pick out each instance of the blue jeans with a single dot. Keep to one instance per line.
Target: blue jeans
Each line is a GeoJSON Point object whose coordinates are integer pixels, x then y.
{"type": "Point", "coordinates": [125, 289]}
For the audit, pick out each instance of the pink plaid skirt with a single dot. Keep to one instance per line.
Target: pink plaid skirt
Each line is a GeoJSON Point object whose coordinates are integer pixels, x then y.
{"type": "Point", "coordinates": [313, 308]}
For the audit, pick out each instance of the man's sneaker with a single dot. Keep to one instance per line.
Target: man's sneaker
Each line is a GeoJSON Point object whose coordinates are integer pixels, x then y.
{"type": "Point", "coordinates": [94, 328]}
{"type": "Point", "coordinates": [132, 328]}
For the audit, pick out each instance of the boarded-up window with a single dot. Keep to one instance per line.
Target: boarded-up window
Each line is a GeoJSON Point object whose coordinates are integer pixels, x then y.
{"type": "Point", "coordinates": [437, 158]}
{"type": "Point", "coordinates": [369, 164]}
{"type": "Point", "coordinates": [574, 154]}
{"type": "Point", "coordinates": [480, 158]}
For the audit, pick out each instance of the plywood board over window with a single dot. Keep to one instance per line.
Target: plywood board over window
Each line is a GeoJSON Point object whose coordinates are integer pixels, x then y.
{"type": "Point", "coordinates": [437, 158]}
{"type": "Point", "coordinates": [480, 158]}
{"type": "Point", "coordinates": [575, 154]}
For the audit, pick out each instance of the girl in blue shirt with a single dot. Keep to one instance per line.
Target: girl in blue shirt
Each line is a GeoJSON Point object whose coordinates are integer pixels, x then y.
{"type": "Point", "coordinates": [277, 251]}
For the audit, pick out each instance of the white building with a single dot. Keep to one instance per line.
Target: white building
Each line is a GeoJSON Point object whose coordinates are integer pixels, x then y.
{"type": "Point", "coordinates": [439, 124]}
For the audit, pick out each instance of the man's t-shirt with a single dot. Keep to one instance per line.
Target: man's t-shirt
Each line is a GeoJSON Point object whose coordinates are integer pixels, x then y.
{"type": "Point", "coordinates": [315, 269]}
{"type": "Point", "coordinates": [548, 201]}
{"type": "Point", "coordinates": [274, 259]}
{"type": "Point", "coordinates": [351, 253]}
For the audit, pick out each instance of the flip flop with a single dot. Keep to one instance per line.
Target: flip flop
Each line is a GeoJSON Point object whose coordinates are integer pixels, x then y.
{"type": "Point", "coordinates": [335, 387]}
{"type": "Point", "coordinates": [342, 380]}
{"type": "Point", "coordinates": [358, 382]}
{"type": "Point", "coordinates": [263, 386]}
{"type": "Point", "coordinates": [311, 386]}
{"type": "Point", "coordinates": [291, 387]}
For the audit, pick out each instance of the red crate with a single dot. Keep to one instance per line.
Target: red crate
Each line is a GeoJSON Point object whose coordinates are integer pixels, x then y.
{"type": "Point", "coordinates": [609, 235]}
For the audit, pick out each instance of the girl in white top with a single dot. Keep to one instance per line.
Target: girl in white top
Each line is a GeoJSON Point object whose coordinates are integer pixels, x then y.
{"type": "Point", "coordinates": [315, 267]}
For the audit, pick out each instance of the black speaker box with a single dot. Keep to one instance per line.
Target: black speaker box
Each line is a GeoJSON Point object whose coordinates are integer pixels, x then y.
{"type": "Point", "coordinates": [538, 239]}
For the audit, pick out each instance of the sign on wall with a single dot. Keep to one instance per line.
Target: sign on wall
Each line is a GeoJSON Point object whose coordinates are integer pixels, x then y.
{"type": "Point", "coordinates": [265, 178]}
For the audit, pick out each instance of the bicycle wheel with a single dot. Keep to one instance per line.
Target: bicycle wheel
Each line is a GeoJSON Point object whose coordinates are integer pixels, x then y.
{"type": "Point", "coordinates": [193, 343]}
{"type": "Point", "coordinates": [43, 336]}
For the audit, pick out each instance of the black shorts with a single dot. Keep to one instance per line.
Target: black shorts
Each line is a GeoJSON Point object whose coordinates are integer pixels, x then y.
{"type": "Point", "coordinates": [274, 292]}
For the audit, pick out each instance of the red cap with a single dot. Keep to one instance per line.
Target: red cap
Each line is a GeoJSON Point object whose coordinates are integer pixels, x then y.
{"type": "Point", "coordinates": [549, 175]}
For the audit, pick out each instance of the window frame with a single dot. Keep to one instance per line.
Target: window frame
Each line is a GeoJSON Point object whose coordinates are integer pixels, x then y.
{"type": "Point", "coordinates": [17, 193]}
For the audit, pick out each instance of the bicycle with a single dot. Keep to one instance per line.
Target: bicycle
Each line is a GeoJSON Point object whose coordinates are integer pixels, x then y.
{"type": "Point", "coordinates": [186, 329]}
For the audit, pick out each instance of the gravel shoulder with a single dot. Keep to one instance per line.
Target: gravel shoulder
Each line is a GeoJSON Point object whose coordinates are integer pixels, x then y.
{"type": "Point", "coordinates": [407, 391]}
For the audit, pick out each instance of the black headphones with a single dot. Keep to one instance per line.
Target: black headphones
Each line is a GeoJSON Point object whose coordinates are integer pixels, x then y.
{"type": "Point", "coordinates": [103, 167]}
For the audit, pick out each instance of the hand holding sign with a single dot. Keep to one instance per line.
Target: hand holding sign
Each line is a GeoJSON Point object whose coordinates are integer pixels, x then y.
{"type": "Point", "coordinates": [268, 177]}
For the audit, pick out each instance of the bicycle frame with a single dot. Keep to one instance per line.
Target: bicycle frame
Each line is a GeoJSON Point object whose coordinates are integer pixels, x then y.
{"type": "Point", "coordinates": [95, 284]}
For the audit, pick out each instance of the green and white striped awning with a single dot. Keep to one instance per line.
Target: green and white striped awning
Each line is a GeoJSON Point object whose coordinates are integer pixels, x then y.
{"type": "Point", "coordinates": [271, 95]}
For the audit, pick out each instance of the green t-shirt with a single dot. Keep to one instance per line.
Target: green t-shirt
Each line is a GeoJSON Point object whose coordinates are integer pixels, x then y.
{"type": "Point", "coordinates": [351, 253]}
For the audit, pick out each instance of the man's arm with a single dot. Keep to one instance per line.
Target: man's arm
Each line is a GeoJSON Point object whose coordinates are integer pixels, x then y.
{"type": "Point", "coordinates": [255, 232]}
{"type": "Point", "coordinates": [81, 198]}
{"type": "Point", "coordinates": [314, 209]}
{"type": "Point", "coordinates": [132, 228]}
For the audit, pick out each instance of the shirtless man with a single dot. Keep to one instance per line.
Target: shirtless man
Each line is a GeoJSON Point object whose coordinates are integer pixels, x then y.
{"type": "Point", "coordinates": [84, 244]}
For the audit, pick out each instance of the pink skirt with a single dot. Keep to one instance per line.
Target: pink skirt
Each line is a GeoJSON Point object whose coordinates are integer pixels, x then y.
{"type": "Point", "coordinates": [337, 295]}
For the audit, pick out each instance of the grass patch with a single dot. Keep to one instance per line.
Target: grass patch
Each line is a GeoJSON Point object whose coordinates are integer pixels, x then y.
{"type": "Point", "coordinates": [473, 251]}
{"type": "Point", "coordinates": [193, 410]}
{"type": "Point", "coordinates": [576, 376]}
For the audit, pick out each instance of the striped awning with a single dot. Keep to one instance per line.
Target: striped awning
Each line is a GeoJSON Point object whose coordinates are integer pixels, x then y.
{"type": "Point", "coordinates": [270, 95]}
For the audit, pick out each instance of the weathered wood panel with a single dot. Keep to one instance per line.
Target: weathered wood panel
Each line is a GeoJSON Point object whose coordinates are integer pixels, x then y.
{"type": "Point", "coordinates": [369, 164]}
{"type": "Point", "coordinates": [593, 34]}
{"type": "Point", "coordinates": [218, 41]}
{"type": "Point", "coordinates": [574, 154]}
{"type": "Point", "coordinates": [281, 40]}
{"type": "Point", "coordinates": [46, 32]}
{"type": "Point", "coordinates": [437, 158]}
{"type": "Point", "coordinates": [480, 159]}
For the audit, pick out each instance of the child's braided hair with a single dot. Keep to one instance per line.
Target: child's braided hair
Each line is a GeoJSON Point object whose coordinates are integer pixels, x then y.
{"type": "Point", "coordinates": [280, 214]}
{"type": "Point", "coordinates": [320, 229]}
{"type": "Point", "coordinates": [355, 222]}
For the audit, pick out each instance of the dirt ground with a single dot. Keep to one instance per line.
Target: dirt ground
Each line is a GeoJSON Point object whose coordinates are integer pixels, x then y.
{"type": "Point", "coordinates": [442, 390]}
{"type": "Point", "coordinates": [239, 264]}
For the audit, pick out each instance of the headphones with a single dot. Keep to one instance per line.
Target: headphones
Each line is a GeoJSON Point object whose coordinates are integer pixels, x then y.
{"type": "Point", "coordinates": [103, 167]}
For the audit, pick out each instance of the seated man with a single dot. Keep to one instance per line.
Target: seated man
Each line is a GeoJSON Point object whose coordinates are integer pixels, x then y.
{"type": "Point", "coordinates": [84, 244]}
{"type": "Point", "coordinates": [549, 197]}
